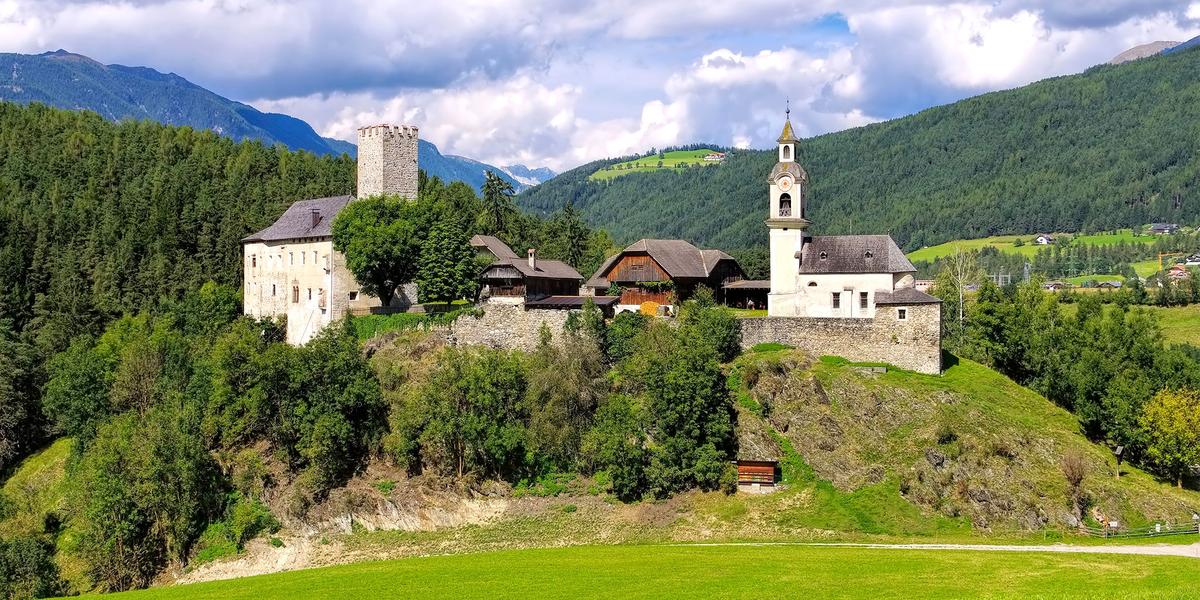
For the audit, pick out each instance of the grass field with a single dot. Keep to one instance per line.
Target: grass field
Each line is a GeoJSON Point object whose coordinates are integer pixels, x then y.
{"type": "Point", "coordinates": [1004, 243]}
{"type": "Point", "coordinates": [720, 572]}
{"type": "Point", "coordinates": [670, 160]}
{"type": "Point", "coordinates": [1181, 324]}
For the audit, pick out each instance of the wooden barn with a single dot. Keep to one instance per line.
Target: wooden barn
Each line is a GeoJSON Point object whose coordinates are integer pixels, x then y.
{"type": "Point", "coordinates": [662, 270]}
{"type": "Point", "coordinates": [530, 279]}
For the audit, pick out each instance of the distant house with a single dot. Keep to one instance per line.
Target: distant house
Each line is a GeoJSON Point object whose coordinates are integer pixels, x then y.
{"type": "Point", "coordinates": [660, 270]}
{"type": "Point", "coordinates": [1193, 260]}
{"type": "Point", "coordinates": [1163, 228]}
{"type": "Point", "coordinates": [923, 285]}
{"type": "Point", "coordinates": [1044, 239]}
{"type": "Point", "coordinates": [714, 157]}
{"type": "Point", "coordinates": [1178, 272]}
{"type": "Point", "coordinates": [1109, 285]}
{"type": "Point", "coordinates": [1054, 285]}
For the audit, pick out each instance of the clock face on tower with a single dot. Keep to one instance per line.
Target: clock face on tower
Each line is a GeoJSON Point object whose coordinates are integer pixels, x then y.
{"type": "Point", "coordinates": [784, 183]}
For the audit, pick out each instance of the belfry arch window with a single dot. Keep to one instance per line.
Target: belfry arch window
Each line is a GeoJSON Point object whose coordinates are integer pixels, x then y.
{"type": "Point", "coordinates": [785, 205]}
{"type": "Point", "coordinates": [787, 152]}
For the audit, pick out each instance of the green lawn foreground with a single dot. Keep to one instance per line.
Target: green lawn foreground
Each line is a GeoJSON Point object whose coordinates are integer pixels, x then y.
{"type": "Point", "coordinates": [722, 572]}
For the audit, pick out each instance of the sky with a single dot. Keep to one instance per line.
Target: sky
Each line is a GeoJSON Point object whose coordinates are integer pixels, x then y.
{"type": "Point", "coordinates": [558, 83]}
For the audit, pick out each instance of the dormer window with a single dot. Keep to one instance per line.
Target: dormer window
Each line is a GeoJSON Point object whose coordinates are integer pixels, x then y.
{"type": "Point", "coordinates": [867, 254]}
{"type": "Point", "coordinates": [824, 255]}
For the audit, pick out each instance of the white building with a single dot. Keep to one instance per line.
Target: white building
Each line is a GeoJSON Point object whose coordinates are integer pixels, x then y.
{"type": "Point", "coordinates": [290, 268]}
{"type": "Point", "coordinates": [833, 276]}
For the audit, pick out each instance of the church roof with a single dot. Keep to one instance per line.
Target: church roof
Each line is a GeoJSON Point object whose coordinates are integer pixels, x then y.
{"type": "Point", "coordinates": [906, 296]}
{"type": "Point", "coordinates": [853, 254]}
{"type": "Point", "coordinates": [297, 220]}
{"type": "Point", "coordinates": [788, 135]}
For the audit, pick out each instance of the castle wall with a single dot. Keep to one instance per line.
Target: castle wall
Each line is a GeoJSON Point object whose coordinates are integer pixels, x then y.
{"type": "Point", "coordinates": [289, 279]}
{"type": "Point", "coordinates": [387, 161]}
{"type": "Point", "coordinates": [508, 326]}
{"type": "Point", "coordinates": [914, 343]}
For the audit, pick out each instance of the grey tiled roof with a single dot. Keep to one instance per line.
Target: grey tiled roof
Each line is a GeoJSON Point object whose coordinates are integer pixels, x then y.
{"type": "Point", "coordinates": [905, 296]}
{"type": "Point", "coordinates": [853, 254]}
{"type": "Point", "coordinates": [297, 220]}
{"type": "Point", "coordinates": [546, 269]}
{"type": "Point", "coordinates": [494, 245]}
{"type": "Point", "coordinates": [677, 257]}
{"type": "Point", "coordinates": [798, 173]}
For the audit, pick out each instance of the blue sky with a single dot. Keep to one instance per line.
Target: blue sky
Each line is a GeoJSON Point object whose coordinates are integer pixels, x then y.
{"type": "Point", "coordinates": [558, 83]}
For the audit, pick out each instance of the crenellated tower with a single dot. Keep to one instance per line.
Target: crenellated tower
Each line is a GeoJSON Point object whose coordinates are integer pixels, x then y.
{"type": "Point", "coordinates": [387, 161]}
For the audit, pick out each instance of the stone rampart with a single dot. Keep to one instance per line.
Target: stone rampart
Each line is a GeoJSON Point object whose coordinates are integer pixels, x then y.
{"type": "Point", "coordinates": [913, 343]}
{"type": "Point", "coordinates": [508, 326]}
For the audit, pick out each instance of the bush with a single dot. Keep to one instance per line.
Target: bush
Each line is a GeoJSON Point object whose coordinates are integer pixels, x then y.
{"type": "Point", "coordinates": [621, 333]}
{"type": "Point", "coordinates": [27, 568]}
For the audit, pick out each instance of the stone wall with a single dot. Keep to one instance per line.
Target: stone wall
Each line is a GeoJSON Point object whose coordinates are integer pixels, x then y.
{"type": "Point", "coordinates": [508, 326]}
{"type": "Point", "coordinates": [914, 343]}
{"type": "Point", "coordinates": [387, 161]}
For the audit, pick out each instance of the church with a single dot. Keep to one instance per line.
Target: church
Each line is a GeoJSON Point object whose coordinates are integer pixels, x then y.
{"type": "Point", "coordinates": [842, 295]}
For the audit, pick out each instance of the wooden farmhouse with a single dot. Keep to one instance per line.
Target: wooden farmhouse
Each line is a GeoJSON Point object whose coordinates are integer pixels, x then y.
{"type": "Point", "coordinates": [523, 279]}
{"type": "Point", "coordinates": [663, 270]}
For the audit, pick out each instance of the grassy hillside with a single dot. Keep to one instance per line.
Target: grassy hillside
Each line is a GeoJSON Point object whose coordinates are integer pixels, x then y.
{"type": "Point", "coordinates": [1006, 243]}
{"type": "Point", "coordinates": [725, 572]}
{"type": "Point", "coordinates": [675, 159]}
{"type": "Point", "coordinates": [1112, 147]}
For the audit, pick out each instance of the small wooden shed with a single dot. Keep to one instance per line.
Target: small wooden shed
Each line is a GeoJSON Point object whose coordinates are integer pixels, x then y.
{"type": "Point", "coordinates": [757, 472]}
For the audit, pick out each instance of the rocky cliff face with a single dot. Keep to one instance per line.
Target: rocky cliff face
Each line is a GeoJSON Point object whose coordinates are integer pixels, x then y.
{"type": "Point", "coordinates": [1143, 51]}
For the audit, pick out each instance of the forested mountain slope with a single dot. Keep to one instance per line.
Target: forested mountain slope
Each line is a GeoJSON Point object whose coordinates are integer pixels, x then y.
{"type": "Point", "coordinates": [75, 82]}
{"type": "Point", "coordinates": [1112, 147]}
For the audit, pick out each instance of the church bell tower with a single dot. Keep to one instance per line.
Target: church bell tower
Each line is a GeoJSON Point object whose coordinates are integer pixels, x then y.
{"type": "Point", "coordinates": [788, 198]}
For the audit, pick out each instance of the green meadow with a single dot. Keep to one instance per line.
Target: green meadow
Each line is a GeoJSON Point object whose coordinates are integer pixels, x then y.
{"type": "Point", "coordinates": [720, 572]}
{"type": "Point", "coordinates": [676, 159]}
{"type": "Point", "coordinates": [1006, 243]}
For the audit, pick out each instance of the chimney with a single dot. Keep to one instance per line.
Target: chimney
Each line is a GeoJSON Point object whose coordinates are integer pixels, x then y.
{"type": "Point", "coordinates": [533, 258]}
{"type": "Point", "coordinates": [316, 217]}
{"type": "Point", "coordinates": [387, 161]}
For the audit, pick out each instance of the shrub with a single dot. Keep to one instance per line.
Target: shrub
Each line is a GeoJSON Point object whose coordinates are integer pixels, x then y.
{"type": "Point", "coordinates": [27, 568]}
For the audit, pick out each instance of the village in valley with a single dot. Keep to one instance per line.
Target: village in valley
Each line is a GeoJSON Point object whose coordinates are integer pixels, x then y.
{"type": "Point", "coordinates": [599, 304]}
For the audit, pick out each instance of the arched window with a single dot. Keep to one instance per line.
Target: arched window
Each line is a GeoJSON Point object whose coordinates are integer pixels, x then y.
{"type": "Point", "coordinates": [787, 152]}
{"type": "Point", "coordinates": [785, 205]}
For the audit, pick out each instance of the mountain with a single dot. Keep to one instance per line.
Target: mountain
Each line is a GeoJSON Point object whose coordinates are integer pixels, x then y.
{"type": "Point", "coordinates": [529, 176]}
{"type": "Point", "coordinates": [1115, 146]}
{"type": "Point", "coordinates": [1142, 51]}
{"type": "Point", "coordinates": [66, 80]}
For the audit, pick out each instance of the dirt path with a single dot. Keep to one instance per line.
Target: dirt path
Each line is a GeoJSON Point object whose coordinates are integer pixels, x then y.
{"type": "Point", "coordinates": [1188, 550]}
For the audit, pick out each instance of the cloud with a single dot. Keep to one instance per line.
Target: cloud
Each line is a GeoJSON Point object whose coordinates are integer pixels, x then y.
{"type": "Point", "coordinates": [559, 83]}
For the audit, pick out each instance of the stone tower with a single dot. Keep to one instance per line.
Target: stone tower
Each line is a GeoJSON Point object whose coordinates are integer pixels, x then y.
{"type": "Point", "coordinates": [387, 161]}
{"type": "Point", "coordinates": [789, 195]}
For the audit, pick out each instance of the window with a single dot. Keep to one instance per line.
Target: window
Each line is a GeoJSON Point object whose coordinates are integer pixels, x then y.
{"type": "Point", "coordinates": [812, 284]}
{"type": "Point", "coordinates": [354, 295]}
{"type": "Point", "coordinates": [295, 294]}
{"type": "Point", "coordinates": [272, 290]}
{"type": "Point", "coordinates": [291, 258]}
{"type": "Point", "coordinates": [867, 254]}
{"type": "Point", "coordinates": [901, 314]}
{"type": "Point", "coordinates": [837, 300]}
{"type": "Point", "coordinates": [824, 255]}
{"type": "Point", "coordinates": [302, 255]}
{"type": "Point", "coordinates": [862, 300]}
{"type": "Point", "coordinates": [254, 261]}
{"type": "Point", "coordinates": [787, 152]}
{"type": "Point", "coordinates": [314, 257]}
{"type": "Point", "coordinates": [785, 205]}
{"type": "Point", "coordinates": [310, 293]}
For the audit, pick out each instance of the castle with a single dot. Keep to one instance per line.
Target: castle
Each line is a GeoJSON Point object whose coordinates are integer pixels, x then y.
{"type": "Point", "coordinates": [291, 268]}
{"type": "Point", "coordinates": [851, 296]}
